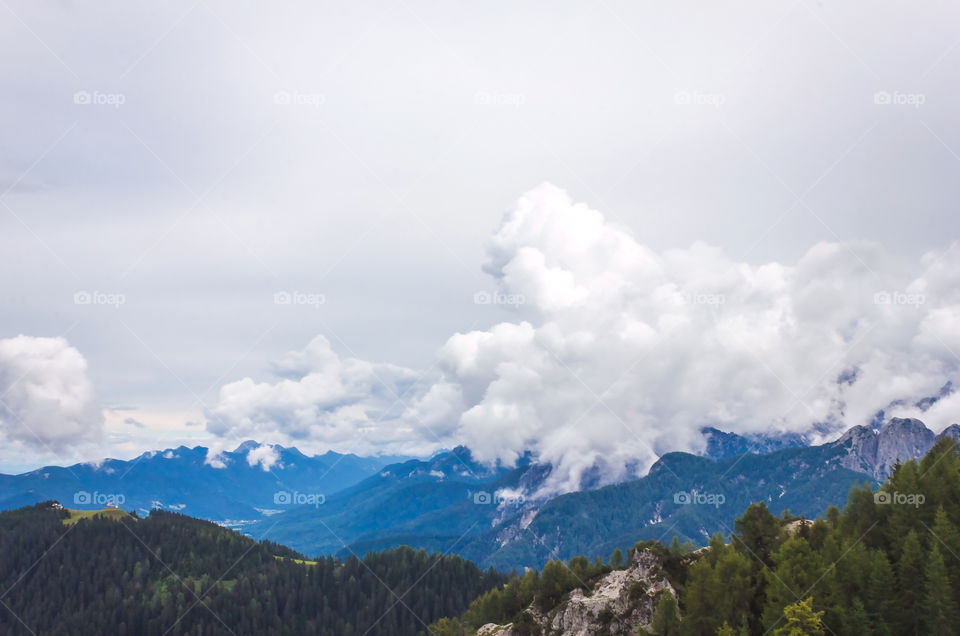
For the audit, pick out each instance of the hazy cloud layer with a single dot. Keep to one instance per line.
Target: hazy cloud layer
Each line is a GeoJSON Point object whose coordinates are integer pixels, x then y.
{"type": "Point", "coordinates": [47, 401]}
{"type": "Point", "coordinates": [321, 401]}
{"type": "Point", "coordinates": [626, 352]}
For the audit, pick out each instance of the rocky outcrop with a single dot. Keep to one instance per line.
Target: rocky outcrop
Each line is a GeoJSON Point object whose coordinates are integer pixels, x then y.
{"type": "Point", "coordinates": [900, 439]}
{"type": "Point", "coordinates": [951, 431]}
{"type": "Point", "coordinates": [617, 604]}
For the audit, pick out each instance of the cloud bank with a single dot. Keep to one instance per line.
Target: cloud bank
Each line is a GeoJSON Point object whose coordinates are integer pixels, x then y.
{"type": "Point", "coordinates": [47, 401]}
{"type": "Point", "coordinates": [625, 353]}
{"type": "Point", "coordinates": [320, 400]}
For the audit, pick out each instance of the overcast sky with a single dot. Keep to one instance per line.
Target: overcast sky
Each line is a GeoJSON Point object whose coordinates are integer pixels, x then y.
{"type": "Point", "coordinates": [183, 163]}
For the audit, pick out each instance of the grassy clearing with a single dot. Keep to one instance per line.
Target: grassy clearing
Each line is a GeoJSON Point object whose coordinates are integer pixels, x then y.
{"type": "Point", "coordinates": [300, 561]}
{"type": "Point", "coordinates": [108, 513]}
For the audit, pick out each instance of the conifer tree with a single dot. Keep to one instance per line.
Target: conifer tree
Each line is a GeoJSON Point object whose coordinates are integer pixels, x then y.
{"type": "Point", "coordinates": [939, 605]}
{"type": "Point", "coordinates": [881, 595]}
{"type": "Point", "coordinates": [910, 579]}
{"type": "Point", "coordinates": [801, 620]}
{"type": "Point", "coordinates": [666, 618]}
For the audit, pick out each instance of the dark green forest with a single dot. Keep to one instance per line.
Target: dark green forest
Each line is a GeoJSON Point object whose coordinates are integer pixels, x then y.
{"type": "Point", "coordinates": [173, 574]}
{"type": "Point", "coordinates": [888, 564]}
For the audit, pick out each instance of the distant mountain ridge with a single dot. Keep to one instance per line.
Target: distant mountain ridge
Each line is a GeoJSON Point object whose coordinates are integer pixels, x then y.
{"type": "Point", "coordinates": [245, 484]}
{"type": "Point", "coordinates": [437, 509]}
{"type": "Point", "coordinates": [336, 504]}
{"type": "Point", "coordinates": [721, 444]}
{"type": "Point", "coordinates": [448, 494]}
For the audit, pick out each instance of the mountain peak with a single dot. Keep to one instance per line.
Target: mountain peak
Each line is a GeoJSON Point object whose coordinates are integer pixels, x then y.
{"type": "Point", "coordinates": [875, 453]}
{"type": "Point", "coordinates": [951, 431]}
{"type": "Point", "coordinates": [247, 446]}
{"type": "Point", "coordinates": [901, 425]}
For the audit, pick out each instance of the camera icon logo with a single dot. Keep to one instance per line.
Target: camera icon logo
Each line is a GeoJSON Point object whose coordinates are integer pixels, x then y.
{"type": "Point", "coordinates": [482, 498]}
{"type": "Point", "coordinates": [282, 98]}
{"type": "Point", "coordinates": [482, 298]}
{"type": "Point", "coordinates": [82, 298]}
{"type": "Point", "coordinates": [882, 97]}
{"type": "Point", "coordinates": [682, 498]}
{"type": "Point", "coordinates": [282, 298]}
{"type": "Point", "coordinates": [882, 498]}
{"type": "Point", "coordinates": [81, 97]}
{"type": "Point", "coordinates": [82, 497]}
{"type": "Point", "coordinates": [282, 498]}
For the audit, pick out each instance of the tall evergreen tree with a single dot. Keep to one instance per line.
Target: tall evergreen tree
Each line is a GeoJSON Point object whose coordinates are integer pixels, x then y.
{"type": "Point", "coordinates": [939, 605]}
{"type": "Point", "coordinates": [910, 579]}
{"type": "Point", "coordinates": [666, 618]}
{"type": "Point", "coordinates": [881, 595]}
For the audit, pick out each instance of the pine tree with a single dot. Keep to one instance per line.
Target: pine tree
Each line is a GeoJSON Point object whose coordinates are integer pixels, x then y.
{"type": "Point", "coordinates": [702, 600]}
{"type": "Point", "coordinates": [666, 618]}
{"type": "Point", "coordinates": [758, 532]}
{"type": "Point", "coordinates": [945, 534]}
{"type": "Point", "coordinates": [910, 578]}
{"type": "Point", "coordinates": [881, 595]}
{"type": "Point", "coordinates": [801, 620]}
{"type": "Point", "coordinates": [939, 606]}
{"type": "Point", "coordinates": [797, 568]}
{"type": "Point", "coordinates": [616, 559]}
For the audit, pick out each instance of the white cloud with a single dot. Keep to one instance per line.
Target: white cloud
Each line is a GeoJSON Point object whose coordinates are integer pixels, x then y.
{"type": "Point", "coordinates": [322, 400]}
{"type": "Point", "coordinates": [215, 458]}
{"type": "Point", "coordinates": [265, 455]}
{"type": "Point", "coordinates": [47, 401]}
{"type": "Point", "coordinates": [627, 352]}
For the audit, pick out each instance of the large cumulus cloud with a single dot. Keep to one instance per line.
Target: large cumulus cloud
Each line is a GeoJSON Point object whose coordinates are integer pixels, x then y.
{"type": "Point", "coordinates": [320, 400]}
{"type": "Point", "coordinates": [47, 401]}
{"type": "Point", "coordinates": [626, 352]}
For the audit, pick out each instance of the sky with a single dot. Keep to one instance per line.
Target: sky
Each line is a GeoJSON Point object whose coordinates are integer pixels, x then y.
{"type": "Point", "coordinates": [585, 229]}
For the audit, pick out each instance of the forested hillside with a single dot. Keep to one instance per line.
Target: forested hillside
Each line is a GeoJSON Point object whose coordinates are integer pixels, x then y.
{"type": "Point", "coordinates": [172, 574]}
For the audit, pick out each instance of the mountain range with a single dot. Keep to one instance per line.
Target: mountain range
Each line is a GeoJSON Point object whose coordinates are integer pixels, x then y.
{"type": "Point", "coordinates": [452, 504]}
{"type": "Point", "coordinates": [336, 504]}
{"type": "Point", "coordinates": [245, 484]}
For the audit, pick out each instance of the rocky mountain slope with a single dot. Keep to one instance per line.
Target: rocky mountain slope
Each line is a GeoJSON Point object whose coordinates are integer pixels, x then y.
{"type": "Point", "coordinates": [876, 452]}
{"type": "Point", "coordinates": [618, 604]}
{"type": "Point", "coordinates": [721, 444]}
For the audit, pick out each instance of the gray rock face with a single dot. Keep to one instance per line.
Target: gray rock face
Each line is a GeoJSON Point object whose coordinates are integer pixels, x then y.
{"type": "Point", "coordinates": [902, 439]}
{"type": "Point", "coordinates": [899, 439]}
{"type": "Point", "coordinates": [721, 444]}
{"type": "Point", "coordinates": [951, 431]}
{"type": "Point", "coordinates": [618, 603]}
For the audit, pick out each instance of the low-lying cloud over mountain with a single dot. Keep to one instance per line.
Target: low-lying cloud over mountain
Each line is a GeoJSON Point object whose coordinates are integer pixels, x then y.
{"type": "Point", "coordinates": [624, 352]}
